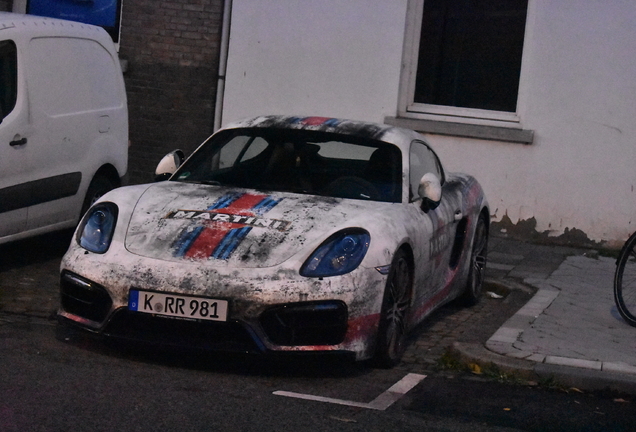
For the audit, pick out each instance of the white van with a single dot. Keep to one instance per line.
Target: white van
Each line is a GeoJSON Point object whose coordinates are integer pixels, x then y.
{"type": "Point", "coordinates": [63, 122]}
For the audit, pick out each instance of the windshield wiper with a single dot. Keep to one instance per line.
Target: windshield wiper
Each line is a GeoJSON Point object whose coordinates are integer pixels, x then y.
{"type": "Point", "coordinates": [205, 182]}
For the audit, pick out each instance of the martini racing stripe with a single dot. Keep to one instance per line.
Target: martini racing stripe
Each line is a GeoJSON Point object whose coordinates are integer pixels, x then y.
{"type": "Point", "coordinates": [230, 242]}
{"type": "Point", "coordinates": [185, 240]}
{"type": "Point", "coordinates": [220, 239]}
{"type": "Point", "coordinates": [265, 205]}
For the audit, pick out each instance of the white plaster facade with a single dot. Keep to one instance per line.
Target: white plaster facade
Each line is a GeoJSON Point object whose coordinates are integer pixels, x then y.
{"type": "Point", "coordinates": [577, 93]}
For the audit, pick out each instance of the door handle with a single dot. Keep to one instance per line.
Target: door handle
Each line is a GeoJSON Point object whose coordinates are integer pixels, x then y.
{"type": "Point", "coordinates": [18, 142]}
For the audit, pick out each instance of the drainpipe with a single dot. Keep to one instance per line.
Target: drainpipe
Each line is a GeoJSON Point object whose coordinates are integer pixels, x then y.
{"type": "Point", "coordinates": [19, 6]}
{"type": "Point", "coordinates": [225, 44]}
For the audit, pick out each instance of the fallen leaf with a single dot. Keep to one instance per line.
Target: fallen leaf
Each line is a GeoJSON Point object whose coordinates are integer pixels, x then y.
{"type": "Point", "coordinates": [475, 368]}
{"type": "Point", "coordinates": [343, 419]}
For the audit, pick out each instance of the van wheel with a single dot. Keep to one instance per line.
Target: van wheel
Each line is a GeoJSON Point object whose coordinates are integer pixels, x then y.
{"type": "Point", "coordinates": [99, 186]}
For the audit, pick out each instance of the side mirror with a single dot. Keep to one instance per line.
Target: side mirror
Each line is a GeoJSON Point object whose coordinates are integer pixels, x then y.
{"type": "Point", "coordinates": [430, 191]}
{"type": "Point", "coordinates": [168, 165]}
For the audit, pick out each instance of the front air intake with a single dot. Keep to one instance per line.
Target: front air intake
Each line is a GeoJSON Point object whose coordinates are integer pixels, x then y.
{"type": "Point", "coordinates": [84, 298]}
{"type": "Point", "coordinates": [306, 323]}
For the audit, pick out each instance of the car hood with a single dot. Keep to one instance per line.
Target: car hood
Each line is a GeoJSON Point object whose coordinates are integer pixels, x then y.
{"type": "Point", "coordinates": [175, 221]}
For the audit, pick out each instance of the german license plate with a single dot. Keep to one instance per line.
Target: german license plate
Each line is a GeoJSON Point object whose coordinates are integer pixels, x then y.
{"type": "Point", "coordinates": [176, 305]}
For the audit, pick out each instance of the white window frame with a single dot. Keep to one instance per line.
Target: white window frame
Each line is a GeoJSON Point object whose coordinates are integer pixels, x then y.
{"type": "Point", "coordinates": [457, 117]}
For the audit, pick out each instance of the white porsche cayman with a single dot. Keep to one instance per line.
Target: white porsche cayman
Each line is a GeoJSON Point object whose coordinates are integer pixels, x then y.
{"type": "Point", "coordinates": [282, 234]}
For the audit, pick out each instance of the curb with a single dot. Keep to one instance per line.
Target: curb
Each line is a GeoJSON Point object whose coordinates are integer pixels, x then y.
{"type": "Point", "coordinates": [500, 351]}
{"type": "Point", "coordinates": [567, 376]}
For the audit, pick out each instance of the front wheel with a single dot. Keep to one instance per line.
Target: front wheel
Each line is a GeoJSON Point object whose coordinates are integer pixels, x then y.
{"type": "Point", "coordinates": [391, 341]}
{"type": "Point", "coordinates": [625, 281]}
{"type": "Point", "coordinates": [478, 258]}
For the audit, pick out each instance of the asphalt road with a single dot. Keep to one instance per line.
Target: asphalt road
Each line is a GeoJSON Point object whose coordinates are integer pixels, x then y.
{"type": "Point", "coordinates": [53, 378]}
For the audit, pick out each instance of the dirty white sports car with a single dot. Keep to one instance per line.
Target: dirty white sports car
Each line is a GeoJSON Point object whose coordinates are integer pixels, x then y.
{"type": "Point", "coordinates": [282, 234]}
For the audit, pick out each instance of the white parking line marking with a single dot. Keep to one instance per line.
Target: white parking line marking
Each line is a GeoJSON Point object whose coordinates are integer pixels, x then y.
{"type": "Point", "coordinates": [382, 402]}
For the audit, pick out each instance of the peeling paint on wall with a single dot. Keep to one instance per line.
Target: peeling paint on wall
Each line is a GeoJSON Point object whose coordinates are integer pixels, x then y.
{"type": "Point", "coordinates": [526, 229]}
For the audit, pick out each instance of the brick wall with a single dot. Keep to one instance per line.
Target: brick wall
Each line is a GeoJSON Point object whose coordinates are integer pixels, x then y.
{"type": "Point", "coordinates": [172, 50]}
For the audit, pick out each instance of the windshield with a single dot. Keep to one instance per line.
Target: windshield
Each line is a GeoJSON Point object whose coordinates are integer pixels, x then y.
{"type": "Point", "coordinates": [298, 161]}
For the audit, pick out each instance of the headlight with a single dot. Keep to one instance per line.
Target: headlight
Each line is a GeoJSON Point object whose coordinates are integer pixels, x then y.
{"type": "Point", "coordinates": [341, 253]}
{"type": "Point", "coordinates": [97, 227]}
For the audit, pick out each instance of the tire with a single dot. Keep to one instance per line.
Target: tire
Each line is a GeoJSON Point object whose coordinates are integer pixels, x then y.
{"type": "Point", "coordinates": [100, 185]}
{"type": "Point", "coordinates": [478, 259]}
{"type": "Point", "coordinates": [391, 341]}
{"type": "Point", "coordinates": [625, 281]}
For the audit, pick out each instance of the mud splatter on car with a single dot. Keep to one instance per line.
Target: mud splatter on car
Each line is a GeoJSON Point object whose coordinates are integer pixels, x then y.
{"type": "Point", "coordinates": [278, 234]}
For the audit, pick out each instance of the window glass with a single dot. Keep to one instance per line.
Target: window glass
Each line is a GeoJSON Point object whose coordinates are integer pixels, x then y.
{"type": "Point", "coordinates": [422, 161]}
{"type": "Point", "coordinates": [256, 147]}
{"type": "Point", "coordinates": [340, 150]}
{"type": "Point", "coordinates": [470, 53]}
{"type": "Point", "coordinates": [8, 77]}
{"type": "Point", "coordinates": [230, 152]}
{"type": "Point", "coordinates": [317, 163]}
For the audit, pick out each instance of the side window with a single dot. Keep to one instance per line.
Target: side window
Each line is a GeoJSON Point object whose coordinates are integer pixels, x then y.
{"type": "Point", "coordinates": [257, 147]}
{"type": "Point", "coordinates": [243, 147]}
{"type": "Point", "coordinates": [468, 56]}
{"type": "Point", "coordinates": [8, 77]}
{"type": "Point", "coordinates": [422, 161]}
{"type": "Point", "coordinates": [230, 152]}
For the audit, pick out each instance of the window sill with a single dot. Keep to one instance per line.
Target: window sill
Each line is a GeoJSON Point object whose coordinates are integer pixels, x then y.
{"type": "Point", "coordinates": [485, 132]}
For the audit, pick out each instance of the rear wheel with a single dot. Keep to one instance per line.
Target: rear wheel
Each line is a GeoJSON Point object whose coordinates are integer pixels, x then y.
{"type": "Point", "coordinates": [625, 281]}
{"type": "Point", "coordinates": [478, 258]}
{"type": "Point", "coordinates": [395, 305]}
{"type": "Point", "coordinates": [100, 185]}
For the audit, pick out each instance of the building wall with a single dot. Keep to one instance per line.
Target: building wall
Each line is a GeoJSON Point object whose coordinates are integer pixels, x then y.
{"type": "Point", "coordinates": [577, 90]}
{"type": "Point", "coordinates": [332, 57]}
{"type": "Point", "coordinates": [172, 50]}
{"type": "Point", "coordinates": [578, 87]}
{"type": "Point", "coordinates": [6, 5]}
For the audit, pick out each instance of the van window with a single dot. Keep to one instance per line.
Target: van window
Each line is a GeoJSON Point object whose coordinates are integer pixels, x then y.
{"type": "Point", "coordinates": [85, 76]}
{"type": "Point", "coordinates": [8, 77]}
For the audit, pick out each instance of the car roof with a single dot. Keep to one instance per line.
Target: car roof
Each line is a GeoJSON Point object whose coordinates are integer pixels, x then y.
{"type": "Point", "coordinates": [12, 24]}
{"type": "Point", "coordinates": [377, 131]}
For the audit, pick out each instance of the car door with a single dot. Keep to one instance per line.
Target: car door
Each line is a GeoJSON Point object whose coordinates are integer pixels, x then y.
{"type": "Point", "coordinates": [438, 227]}
{"type": "Point", "coordinates": [14, 151]}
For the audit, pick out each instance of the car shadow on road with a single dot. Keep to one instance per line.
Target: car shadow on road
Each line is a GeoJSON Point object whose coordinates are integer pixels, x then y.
{"type": "Point", "coordinates": [34, 250]}
{"type": "Point", "coordinates": [309, 365]}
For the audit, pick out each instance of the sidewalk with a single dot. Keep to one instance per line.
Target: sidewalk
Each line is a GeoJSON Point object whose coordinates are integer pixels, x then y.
{"type": "Point", "coordinates": [570, 331]}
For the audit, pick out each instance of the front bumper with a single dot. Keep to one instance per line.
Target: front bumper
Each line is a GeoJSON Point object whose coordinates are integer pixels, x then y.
{"type": "Point", "coordinates": [323, 319]}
